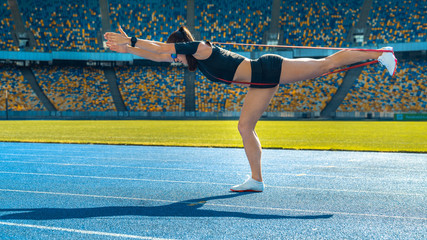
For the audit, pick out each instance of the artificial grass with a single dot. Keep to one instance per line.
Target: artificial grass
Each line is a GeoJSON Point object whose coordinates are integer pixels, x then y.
{"type": "Point", "coordinates": [320, 135]}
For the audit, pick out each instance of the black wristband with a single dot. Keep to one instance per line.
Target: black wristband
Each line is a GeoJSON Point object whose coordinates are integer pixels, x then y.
{"type": "Point", "coordinates": [133, 41]}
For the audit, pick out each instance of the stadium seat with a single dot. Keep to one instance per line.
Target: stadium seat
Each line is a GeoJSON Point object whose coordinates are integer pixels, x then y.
{"type": "Point", "coordinates": [21, 96]}
{"type": "Point", "coordinates": [318, 23]}
{"type": "Point", "coordinates": [398, 21]}
{"type": "Point", "coordinates": [152, 89]}
{"type": "Point", "coordinates": [62, 25]}
{"type": "Point", "coordinates": [6, 28]}
{"type": "Point", "coordinates": [376, 91]}
{"type": "Point", "coordinates": [75, 88]}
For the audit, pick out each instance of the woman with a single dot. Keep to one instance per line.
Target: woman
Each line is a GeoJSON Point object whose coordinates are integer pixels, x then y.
{"type": "Point", "coordinates": [263, 75]}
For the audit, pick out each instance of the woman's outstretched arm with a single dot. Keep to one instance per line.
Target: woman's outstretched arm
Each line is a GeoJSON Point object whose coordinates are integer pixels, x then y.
{"type": "Point", "coordinates": [164, 57]}
{"type": "Point", "coordinates": [148, 45]}
{"type": "Point", "coordinates": [140, 52]}
{"type": "Point", "coordinates": [125, 48]}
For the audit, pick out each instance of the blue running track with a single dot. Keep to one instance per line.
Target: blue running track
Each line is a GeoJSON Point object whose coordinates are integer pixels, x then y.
{"type": "Point", "coordinates": [66, 191]}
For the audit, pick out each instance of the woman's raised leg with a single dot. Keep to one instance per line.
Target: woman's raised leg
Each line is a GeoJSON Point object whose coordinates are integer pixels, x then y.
{"type": "Point", "coordinates": [300, 69]}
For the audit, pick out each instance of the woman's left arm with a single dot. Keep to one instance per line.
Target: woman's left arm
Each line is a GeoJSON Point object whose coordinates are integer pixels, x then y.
{"type": "Point", "coordinates": [156, 47]}
{"type": "Point", "coordinates": [148, 45]}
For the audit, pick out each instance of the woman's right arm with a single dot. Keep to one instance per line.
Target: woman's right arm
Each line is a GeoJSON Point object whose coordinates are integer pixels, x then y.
{"type": "Point", "coordinates": [148, 45]}
{"type": "Point", "coordinates": [126, 48]}
{"type": "Point", "coordinates": [140, 52]}
{"type": "Point", "coordinates": [149, 55]}
{"type": "Point", "coordinates": [156, 50]}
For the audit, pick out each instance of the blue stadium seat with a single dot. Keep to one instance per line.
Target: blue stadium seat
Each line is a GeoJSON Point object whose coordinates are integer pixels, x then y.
{"type": "Point", "coordinates": [62, 25]}
{"type": "Point", "coordinates": [6, 28]}
{"type": "Point", "coordinates": [75, 88]}
{"type": "Point", "coordinates": [398, 21]}
{"type": "Point", "coordinates": [152, 89]}
{"type": "Point", "coordinates": [21, 96]}
{"type": "Point", "coordinates": [376, 91]}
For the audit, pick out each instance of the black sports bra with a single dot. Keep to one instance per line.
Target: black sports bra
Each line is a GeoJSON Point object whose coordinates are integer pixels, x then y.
{"type": "Point", "coordinates": [219, 66]}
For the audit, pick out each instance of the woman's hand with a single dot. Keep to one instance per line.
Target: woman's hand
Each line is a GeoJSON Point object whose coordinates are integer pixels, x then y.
{"type": "Point", "coordinates": [116, 38]}
{"type": "Point", "coordinates": [117, 48]}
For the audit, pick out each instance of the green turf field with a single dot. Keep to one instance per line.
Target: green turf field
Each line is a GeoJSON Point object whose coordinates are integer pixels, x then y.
{"type": "Point", "coordinates": [322, 135]}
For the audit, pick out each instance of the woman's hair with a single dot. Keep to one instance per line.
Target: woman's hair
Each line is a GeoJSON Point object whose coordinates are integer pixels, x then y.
{"type": "Point", "coordinates": [184, 35]}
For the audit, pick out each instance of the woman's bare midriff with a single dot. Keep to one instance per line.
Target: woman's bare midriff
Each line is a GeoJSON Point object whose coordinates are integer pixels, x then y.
{"type": "Point", "coordinates": [243, 71]}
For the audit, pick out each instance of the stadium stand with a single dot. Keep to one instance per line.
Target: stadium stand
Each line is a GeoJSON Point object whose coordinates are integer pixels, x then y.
{"type": "Point", "coordinates": [151, 19]}
{"type": "Point", "coordinates": [376, 91]}
{"type": "Point", "coordinates": [398, 21]}
{"type": "Point", "coordinates": [308, 96]}
{"type": "Point", "coordinates": [73, 26]}
{"type": "Point", "coordinates": [215, 20]}
{"type": "Point", "coordinates": [318, 23]}
{"type": "Point", "coordinates": [152, 89]}
{"type": "Point", "coordinates": [232, 21]}
{"type": "Point", "coordinates": [20, 95]}
{"type": "Point", "coordinates": [75, 88]}
{"type": "Point", "coordinates": [214, 97]}
{"type": "Point", "coordinates": [6, 27]}
{"type": "Point", "coordinates": [62, 25]}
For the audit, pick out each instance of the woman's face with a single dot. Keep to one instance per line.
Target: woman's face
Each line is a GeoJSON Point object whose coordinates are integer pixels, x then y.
{"type": "Point", "coordinates": [181, 59]}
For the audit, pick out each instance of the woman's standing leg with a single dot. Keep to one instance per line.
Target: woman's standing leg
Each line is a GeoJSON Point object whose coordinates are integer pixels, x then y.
{"type": "Point", "coordinates": [256, 102]}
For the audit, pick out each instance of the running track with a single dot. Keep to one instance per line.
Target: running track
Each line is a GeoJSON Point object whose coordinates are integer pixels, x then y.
{"type": "Point", "coordinates": [64, 191]}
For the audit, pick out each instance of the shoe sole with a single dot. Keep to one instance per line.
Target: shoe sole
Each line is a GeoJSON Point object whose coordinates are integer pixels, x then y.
{"type": "Point", "coordinates": [395, 63]}
{"type": "Point", "coordinates": [244, 190]}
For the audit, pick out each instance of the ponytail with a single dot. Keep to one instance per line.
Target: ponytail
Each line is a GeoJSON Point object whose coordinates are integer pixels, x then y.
{"type": "Point", "coordinates": [184, 35]}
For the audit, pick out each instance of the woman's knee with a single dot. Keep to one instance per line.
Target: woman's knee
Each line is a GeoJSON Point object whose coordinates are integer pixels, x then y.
{"type": "Point", "coordinates": [333, 62]}
{"type": "Point", "coordinates": [328, 65]}
{"type": "Point", "coordinates": [245, 128]}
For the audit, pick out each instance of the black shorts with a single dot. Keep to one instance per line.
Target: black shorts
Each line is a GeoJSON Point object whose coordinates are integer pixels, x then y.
{"type": "Point", "coordinates": [266, 71]}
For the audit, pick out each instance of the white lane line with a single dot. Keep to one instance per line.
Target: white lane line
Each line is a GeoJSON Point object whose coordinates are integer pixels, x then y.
{"type": "Point", "coordinates": [220, 205]}
{"type": "Point", "coordinates": [83, 156]}
{"type": "Point", "coordinates": [109, 166]}
{"type": "Point", "coordinates": [397, 168]}
{"type": "Point", "coordinates": [201, 170]}
{"type": "Point", "coordinates": [324, 212]}
{"type": "Point", "coordinates": [42, 152]}
{"type": "Point", "coordinates": [111, 178]}
{"type": "Point", "coordinates": [348, 191]}
{"type": "Point", "coordinates": [178, 169]}
{"type": "Point", "coordinates": [87, 195]}
{"type": "Point", "coordinates": [78, 231]}
{"type": "Point", "coordinates": [212, 183]}
{"type": "Point", "coordinates": [163, 159]}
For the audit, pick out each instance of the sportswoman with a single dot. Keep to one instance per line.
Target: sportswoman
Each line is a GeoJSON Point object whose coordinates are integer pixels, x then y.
{"type": "Point", "coordinates": [263, 75]}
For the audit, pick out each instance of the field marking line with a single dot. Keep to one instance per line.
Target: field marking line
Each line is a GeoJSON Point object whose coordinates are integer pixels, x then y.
{"type": "Point", "coordinates": [111, 178]}
{"type": "Point", "coordinates": [324, 212]}
{"type": "Point", "coordinates": [353, 167]}
{"type": "Point", "coordinates": [220, 205]}
{"type": "Point", "coordinates": [87, 195]}
{"type": "Point", "coordinates": [211, 183]}
{"type": "Point", "coordinates": [305, 166]}
{"type": "Point", "coordinates": [185, 169]}
{"type": "Point", "coordinates": [109, 166]}
{"type": "Point", "coordinates": [90, 157]}
{"type": "Point", "coordinates": [397, 168]}
{"type": "Point", "coordinates": [78, 231]}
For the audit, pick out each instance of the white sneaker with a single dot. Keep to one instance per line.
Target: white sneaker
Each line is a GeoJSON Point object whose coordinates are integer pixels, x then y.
{"type": "Point", "coordinates": [250, 185]}
{"type": "Point", "coordinates": [388, 60]}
